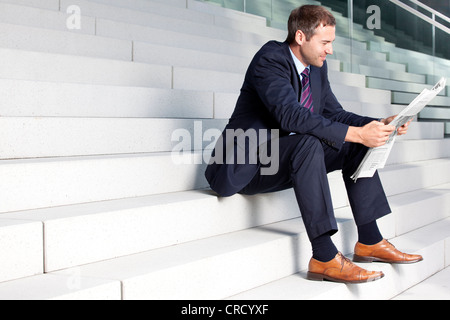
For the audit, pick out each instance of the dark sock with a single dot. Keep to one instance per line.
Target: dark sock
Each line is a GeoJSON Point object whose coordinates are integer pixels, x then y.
{"type": "Point", "coordinates": [324, 249]}
{"type": "Point", "coordinates": [369, 234]}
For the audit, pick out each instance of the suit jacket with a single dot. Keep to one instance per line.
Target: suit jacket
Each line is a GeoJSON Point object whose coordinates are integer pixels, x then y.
{"type": "Point", "coordinates": [269, 99]}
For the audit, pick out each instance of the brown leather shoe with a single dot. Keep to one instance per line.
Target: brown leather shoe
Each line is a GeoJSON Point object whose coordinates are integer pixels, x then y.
{"type": "Point", "coordinates": [383, 252]}
{"type": "Point", "coordinates": [341, 269]}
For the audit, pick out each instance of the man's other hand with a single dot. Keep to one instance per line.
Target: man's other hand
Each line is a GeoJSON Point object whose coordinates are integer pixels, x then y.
{"type": "Point", "coordinates": [372, 135]}
{"type": "Point", "coordinates": [402, 130]}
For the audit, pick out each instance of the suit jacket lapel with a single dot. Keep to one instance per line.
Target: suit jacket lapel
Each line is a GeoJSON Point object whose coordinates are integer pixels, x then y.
{"type": "Point", "coordinates": [316, 89]}
{"type": "Point", "coordinates": [295, 78]}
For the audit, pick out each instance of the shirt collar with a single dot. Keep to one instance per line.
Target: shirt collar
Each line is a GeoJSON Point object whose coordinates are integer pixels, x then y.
{"type": "Point", "coordinates": [298, 64]}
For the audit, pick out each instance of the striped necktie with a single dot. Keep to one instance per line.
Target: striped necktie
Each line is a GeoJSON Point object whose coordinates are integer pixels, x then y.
{"type": "Point", "coordinates": [306, 100]}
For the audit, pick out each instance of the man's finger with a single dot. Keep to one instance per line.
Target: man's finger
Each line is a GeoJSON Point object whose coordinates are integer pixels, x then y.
{"type": "Point", "coordinates": [387, 128]}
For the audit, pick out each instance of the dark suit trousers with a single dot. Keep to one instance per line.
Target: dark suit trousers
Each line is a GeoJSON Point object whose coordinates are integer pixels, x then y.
{"type": "Point", "coordinates": [305, 162]}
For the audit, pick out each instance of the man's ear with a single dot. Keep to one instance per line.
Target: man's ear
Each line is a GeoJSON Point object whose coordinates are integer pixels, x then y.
{"type": "Point", "coordinates": [300, 37]}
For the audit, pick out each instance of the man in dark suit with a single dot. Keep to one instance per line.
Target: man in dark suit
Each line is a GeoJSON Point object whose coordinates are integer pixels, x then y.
{"type": "Point", "coordinates": [288, 110]}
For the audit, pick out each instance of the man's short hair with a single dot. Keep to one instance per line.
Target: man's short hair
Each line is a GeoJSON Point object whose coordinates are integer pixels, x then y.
{"type": "Point", "coordinates": [307, 19]}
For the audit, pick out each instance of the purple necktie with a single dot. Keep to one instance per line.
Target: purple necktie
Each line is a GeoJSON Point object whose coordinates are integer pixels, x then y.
{"type": "Point", "coordinates": [306, 100]}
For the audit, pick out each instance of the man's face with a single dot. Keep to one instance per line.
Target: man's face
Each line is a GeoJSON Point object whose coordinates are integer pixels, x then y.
{"type": "Point", "coordinates": [314, 52]}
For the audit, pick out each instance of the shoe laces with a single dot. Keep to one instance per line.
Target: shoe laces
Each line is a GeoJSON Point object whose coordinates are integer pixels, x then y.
{"type": "Point", "coordinates": [344, 261]}
{"type": "Point", "coordinates": [390, 244]}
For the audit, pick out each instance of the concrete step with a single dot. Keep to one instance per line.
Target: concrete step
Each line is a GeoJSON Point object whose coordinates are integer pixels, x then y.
{"type": "Point", "coordinates": [399, 86]}
{"type": "Point", "coordinates": [50, 67]}
{"type": "Point", "coordinates": [65, 137]}
{"type": "Point", "coordinates": [434, 288]}
{"type": "Point", "coordinates": [57, 181]}
{"type": "Point", "coordinates": [60, 287]}
{"type": "Point", "coordinates": [178, 38]}
{"type": "Point", "coordinates": [36, 39]}
{"type": "Point", "coordinates": [429, 65]}
{"type": "Point", "coordinates": [407, 98]}
{"type": "Point", "coordinates": [25, 14]}
{"type": "Point", "coordinates": [178, 57]}
{"type": "Point", "coordinates": [164, 220]}
{"type": "Point", "coordinates": [396, 53]}
{"type": "Point", "coordinates": [412, 179]}
{"type": "Point", "coordinates": [50, 99]}
{"type": "Point", "coordinates": [37, 137]}
{"type": "Point", "coordinates": [423, 130]}
{"type": "Point", "coordinates": [364, 60]}
{"type": "Point", "coordinates": [31, 98]}
{"type": "Point", "coordinates": [435, 113]}
{"type": "Point", "coordinates": [204, 80]}
{"type": "Point", "coordinates": [228, 264]}
{"type": "Point", "coordinates": [407, 151]}
{"type": "Point", "coordinates": [364, 95]}
{"type": "Point", "coordinates": [95, 46]}
{"type": "Point", "coordinates": [42, 4]}
{"type": "Point", "coordinates": [63, 181]}
{"type": "Point", "coordinates": [384, 73]}
{"type": "Point", "coordinates": [398, 278]}
{"type": "Point", "coordinates": [371, 109]}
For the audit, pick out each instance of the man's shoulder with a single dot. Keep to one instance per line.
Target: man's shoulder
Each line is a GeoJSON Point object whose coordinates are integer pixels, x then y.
{"type": "Point", "coordinates": [274, 47]}
{"type": "Point", "coordinates": [273, 51]}
{"type": "Point", "coordinates": [275, 44]}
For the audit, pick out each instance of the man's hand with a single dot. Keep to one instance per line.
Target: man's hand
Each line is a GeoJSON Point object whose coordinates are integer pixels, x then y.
{"type": "Point", "coordinates": [372, 135]}
{"type": "Point", "coordinates": [402, 130]}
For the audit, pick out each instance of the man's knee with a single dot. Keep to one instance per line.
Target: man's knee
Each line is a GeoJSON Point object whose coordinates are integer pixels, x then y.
{"type": "Point", "coordinates": [307, 149]}
{"type": "Point", "coordinates": [309, 144]}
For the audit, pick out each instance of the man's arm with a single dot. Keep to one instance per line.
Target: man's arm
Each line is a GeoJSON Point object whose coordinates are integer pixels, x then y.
{"type": "Point", "coordinates": [376, 133]}
{"type": "Point", "coordinates": [372, 135]}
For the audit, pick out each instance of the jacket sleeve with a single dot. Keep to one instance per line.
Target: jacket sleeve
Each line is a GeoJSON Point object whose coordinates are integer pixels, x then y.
{"type": "Point", "coordinates": [272, 75]}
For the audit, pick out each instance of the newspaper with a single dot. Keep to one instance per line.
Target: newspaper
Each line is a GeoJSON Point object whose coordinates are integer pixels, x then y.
{"type": "Point", "coordinates": [376, 158]}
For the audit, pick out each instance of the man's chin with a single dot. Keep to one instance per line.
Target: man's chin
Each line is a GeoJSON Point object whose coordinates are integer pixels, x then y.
{"type": "Point", "coordinates": [319, 64]}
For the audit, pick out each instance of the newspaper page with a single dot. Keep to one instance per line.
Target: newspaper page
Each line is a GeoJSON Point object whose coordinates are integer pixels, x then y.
{"type": "Point", "coordinates": [376, 158]}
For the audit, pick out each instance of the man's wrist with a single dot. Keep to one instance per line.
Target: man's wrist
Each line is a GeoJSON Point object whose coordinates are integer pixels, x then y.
{"type": "Point", "coordinates": [354, 135]}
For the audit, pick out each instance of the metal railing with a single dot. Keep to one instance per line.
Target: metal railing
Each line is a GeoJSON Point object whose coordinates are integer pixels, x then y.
{"type": "Point", "coordinates": [432, 20]}
{"type": "Point", "coordinates": [433, 13]}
